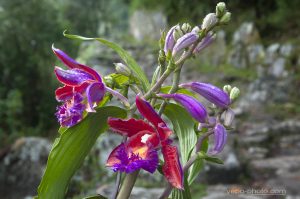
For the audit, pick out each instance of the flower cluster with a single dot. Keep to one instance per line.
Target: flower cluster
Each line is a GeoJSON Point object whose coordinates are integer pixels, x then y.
{"type": "Point", "coordinates": [145, 138]}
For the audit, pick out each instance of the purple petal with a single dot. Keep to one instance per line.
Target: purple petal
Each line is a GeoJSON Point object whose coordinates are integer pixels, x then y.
{"type": "Point", "coordinates": [210, 92]}
{"type": "Point", "coordinates": [73, 77]}
{"type": "Point", "coordinates": [123, 160]}
{"type": "Point", "coordinates": [185, 41]}
{"type": "Point", "coordinates": [194, 107]}
{"type": "Point", "coordinates": [71, 112]}
{"type": "Point", "coordinates": [71, 63]}
{"type": "Point", "coordinates": [204, 43]}
{"type": "Point", "coordinates": [94, 93]}
{"type": "Point", "coordinates": [220, 135]}
{"type": "Point", "coordinates": [169, 41]}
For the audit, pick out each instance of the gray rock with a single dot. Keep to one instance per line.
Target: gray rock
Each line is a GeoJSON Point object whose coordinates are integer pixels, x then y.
{"type": "Point", "coordinates": [277, 68]}
{"type": "Point", "coordinates": [286, 50]}
{"type": "Point", "coordinates": [256, 53]}
{"type": "Point", "coordinates": [272, 53]}
{"type": "Point", "coordinates": [246, 34]}
{"type": "Point", "coordinates": [23, 166]}
{"type": "Point", "coordinates": [147, 24]}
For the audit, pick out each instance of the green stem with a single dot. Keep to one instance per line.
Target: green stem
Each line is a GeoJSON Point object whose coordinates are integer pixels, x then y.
{"type": "Point", "coordinates": [127, 185]}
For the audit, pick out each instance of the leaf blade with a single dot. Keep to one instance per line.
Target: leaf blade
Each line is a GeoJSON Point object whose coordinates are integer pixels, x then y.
{"type": "Point", "coordinates": [70, 149]}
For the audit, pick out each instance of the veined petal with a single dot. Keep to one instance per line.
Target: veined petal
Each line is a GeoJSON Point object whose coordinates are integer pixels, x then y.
{"type": "Point", "coordinates": [129, 127]}
{"type": "Point", "coordinates": [73, 77]}
{"type": "Point", "coordinates": [169, 40]}
{"type": "Point", "coordinates": [185, 41]}
{"type": "Point", "coordinates": [220, 136]}
{"type": "Point", "coordinates": [172, 168]}
{"type": "Point", "coordinates": [210, 92]}
{"type": "Point", "coordinates": [94, 93]}
{"type": "Point", "coordinates": [164, 133]}
{"type": "Point", "coordinates": [193, 106]}
{"type": "Point", "coordinates": [71, 63]}
{"type": "Point", "coordinates": [147, 111]}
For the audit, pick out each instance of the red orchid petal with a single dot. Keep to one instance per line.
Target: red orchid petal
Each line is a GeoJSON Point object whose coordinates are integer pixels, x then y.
{"type": "Point", "coordinates": [172, 168]}
{"type": "Point", "coordinates": [141, 139]}
{"type": "Point", "coordinates": [73, 77]}
{"type": "Point", "coordinates": [163, 131]}
{"type": "Point", "coordinates": [129, 127]}
{"type": "Point", "coordinates": [113, 157]}
{"type": "Point", "coordinates": [71, 63]}
{"type": "Point", "coordinates": [94, 93]}
{"type": "Point", "coordinates": [64, 93]}
{"type": "Point", "coordinates": [147, 111]}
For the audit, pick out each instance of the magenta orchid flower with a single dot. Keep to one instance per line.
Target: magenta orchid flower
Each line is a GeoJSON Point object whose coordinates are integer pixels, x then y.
{"type": "Point", "coordinates": [81, 83]}
{"type": "Point", "coordinates": [144, 140]}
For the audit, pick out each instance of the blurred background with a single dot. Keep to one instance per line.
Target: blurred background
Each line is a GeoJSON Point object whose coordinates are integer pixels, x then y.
{"type": "Point", "coordinates": [258, 52]}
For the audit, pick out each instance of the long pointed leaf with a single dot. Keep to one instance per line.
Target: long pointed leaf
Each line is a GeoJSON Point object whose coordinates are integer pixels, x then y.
{"type": "Point", "coordinates": [183, 125]}
{"type": "Point", "coordinates": [130, 62]}
{"type": "Point", "coordinates": [70, 149]}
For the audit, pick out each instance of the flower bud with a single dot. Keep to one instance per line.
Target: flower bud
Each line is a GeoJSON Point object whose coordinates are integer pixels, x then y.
{"type": "Point", "coordinates": [227, 89]}
{"type": "Point", "coordinates": [210, 92]}
{"type": "Point", "coordinates": [226, 18]}
{"type": "Point", "coordinates": [196, 29]}
{"type": "Point", "coordinates": [194, 107]}
{"type": "Point", "coordinates": [220, 138]}
{"type": "Point", "coordinates": [234, 93]}
{"type": "Point", "coordinates": [170, 41]}
{"type": "Point", "coordinates": [122, 69]}
{"type": "Point", "coordinates": [209, 21]}
{"type": "Point", "coordinates": [186, 28]}
{"type": "Point", "coordinates": [206, 41]}
{"type": "Point", "coordinates": [177, 33]}
{"type": "Point", "coordinates": [220, 9]}
{"type": "Point", "coordinates": [184, 42]}
{"type": "Point", "coordinates": [228, 117]}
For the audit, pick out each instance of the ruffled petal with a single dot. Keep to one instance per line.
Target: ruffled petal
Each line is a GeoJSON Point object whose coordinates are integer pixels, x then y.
{"type": "Point", "coordinates": [95, 93]}
{"type": "Point", "coordinates": [124, 160]}
{"type": "Point", "coordinates": [141, 139]}
{"type": "Point", "coordinates": [164, 133]}
{"type": "Point", "coordinates": [71, 63]}
{"type": "Point", "coordinates": [129, 127]}
{"type": "Point", "coordinates": [172, 168]}
{"type": "Point", "coordinates": [147, 111]}
{"type": "Point", "coordinates": [73, 77]}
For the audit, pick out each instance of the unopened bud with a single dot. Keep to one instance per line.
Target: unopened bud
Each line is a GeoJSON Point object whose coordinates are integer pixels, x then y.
{"type": "Point", "coordinates": [186, 27]}
{"type": "Point", "coordinates": [122, 69]}
{"type": "Point", "coordinates": [234, 93]}
{"type": "Point", "coordinates": [220, 9]}
{"type": "Point", "coordinates": [228, 117]}
{"type": "Point", "coordinates": [177, 33]}
{"type": "Point", "coordinates": [109, 81]}
{"type": "Point", "coordinates": [209, 21]}
{"type": "Point", "coordinates": [227, 89]}
{"type": "Point", "coordinates": [196, 29]}
{"type": "Point", "coordinates": [226, 18]}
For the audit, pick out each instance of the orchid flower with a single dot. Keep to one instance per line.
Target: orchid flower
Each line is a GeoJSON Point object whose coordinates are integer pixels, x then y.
{"type": "Point", "coordinates": [144, 140]}
{"type": "Point", "coordinates": [81, 83]}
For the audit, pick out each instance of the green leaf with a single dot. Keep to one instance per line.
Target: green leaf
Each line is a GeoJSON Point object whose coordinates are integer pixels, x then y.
{"type": "Point", "coordinates": [70, 149]}
{"type": "Point", "coordinates": [130, 62]}
{"type": "Point", "coordinates": [166, 89]}
{"type": "Point", "coordinates": [182, 194]}
{"type": "Point", "coordinates": [212, 159]}
{"type": "Point", "coordinates": [198, 165]}
{"type": "Point", "coordinates": [95, 197]}
{"type": "Point", "coordinates": [183, 125]}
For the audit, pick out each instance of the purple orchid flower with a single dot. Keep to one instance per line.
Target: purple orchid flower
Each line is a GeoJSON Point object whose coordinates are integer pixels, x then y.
{"type": "Point", "coordinates": [185, 41]}
{"type": "Point", "coordinates": [220, 138]}
{"type": "Point", "coordinates": [193, 106]}
{"type": "Point", "coordinates": [210, 92]}
{"type": "Point", "coordinates": [80, 82]}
